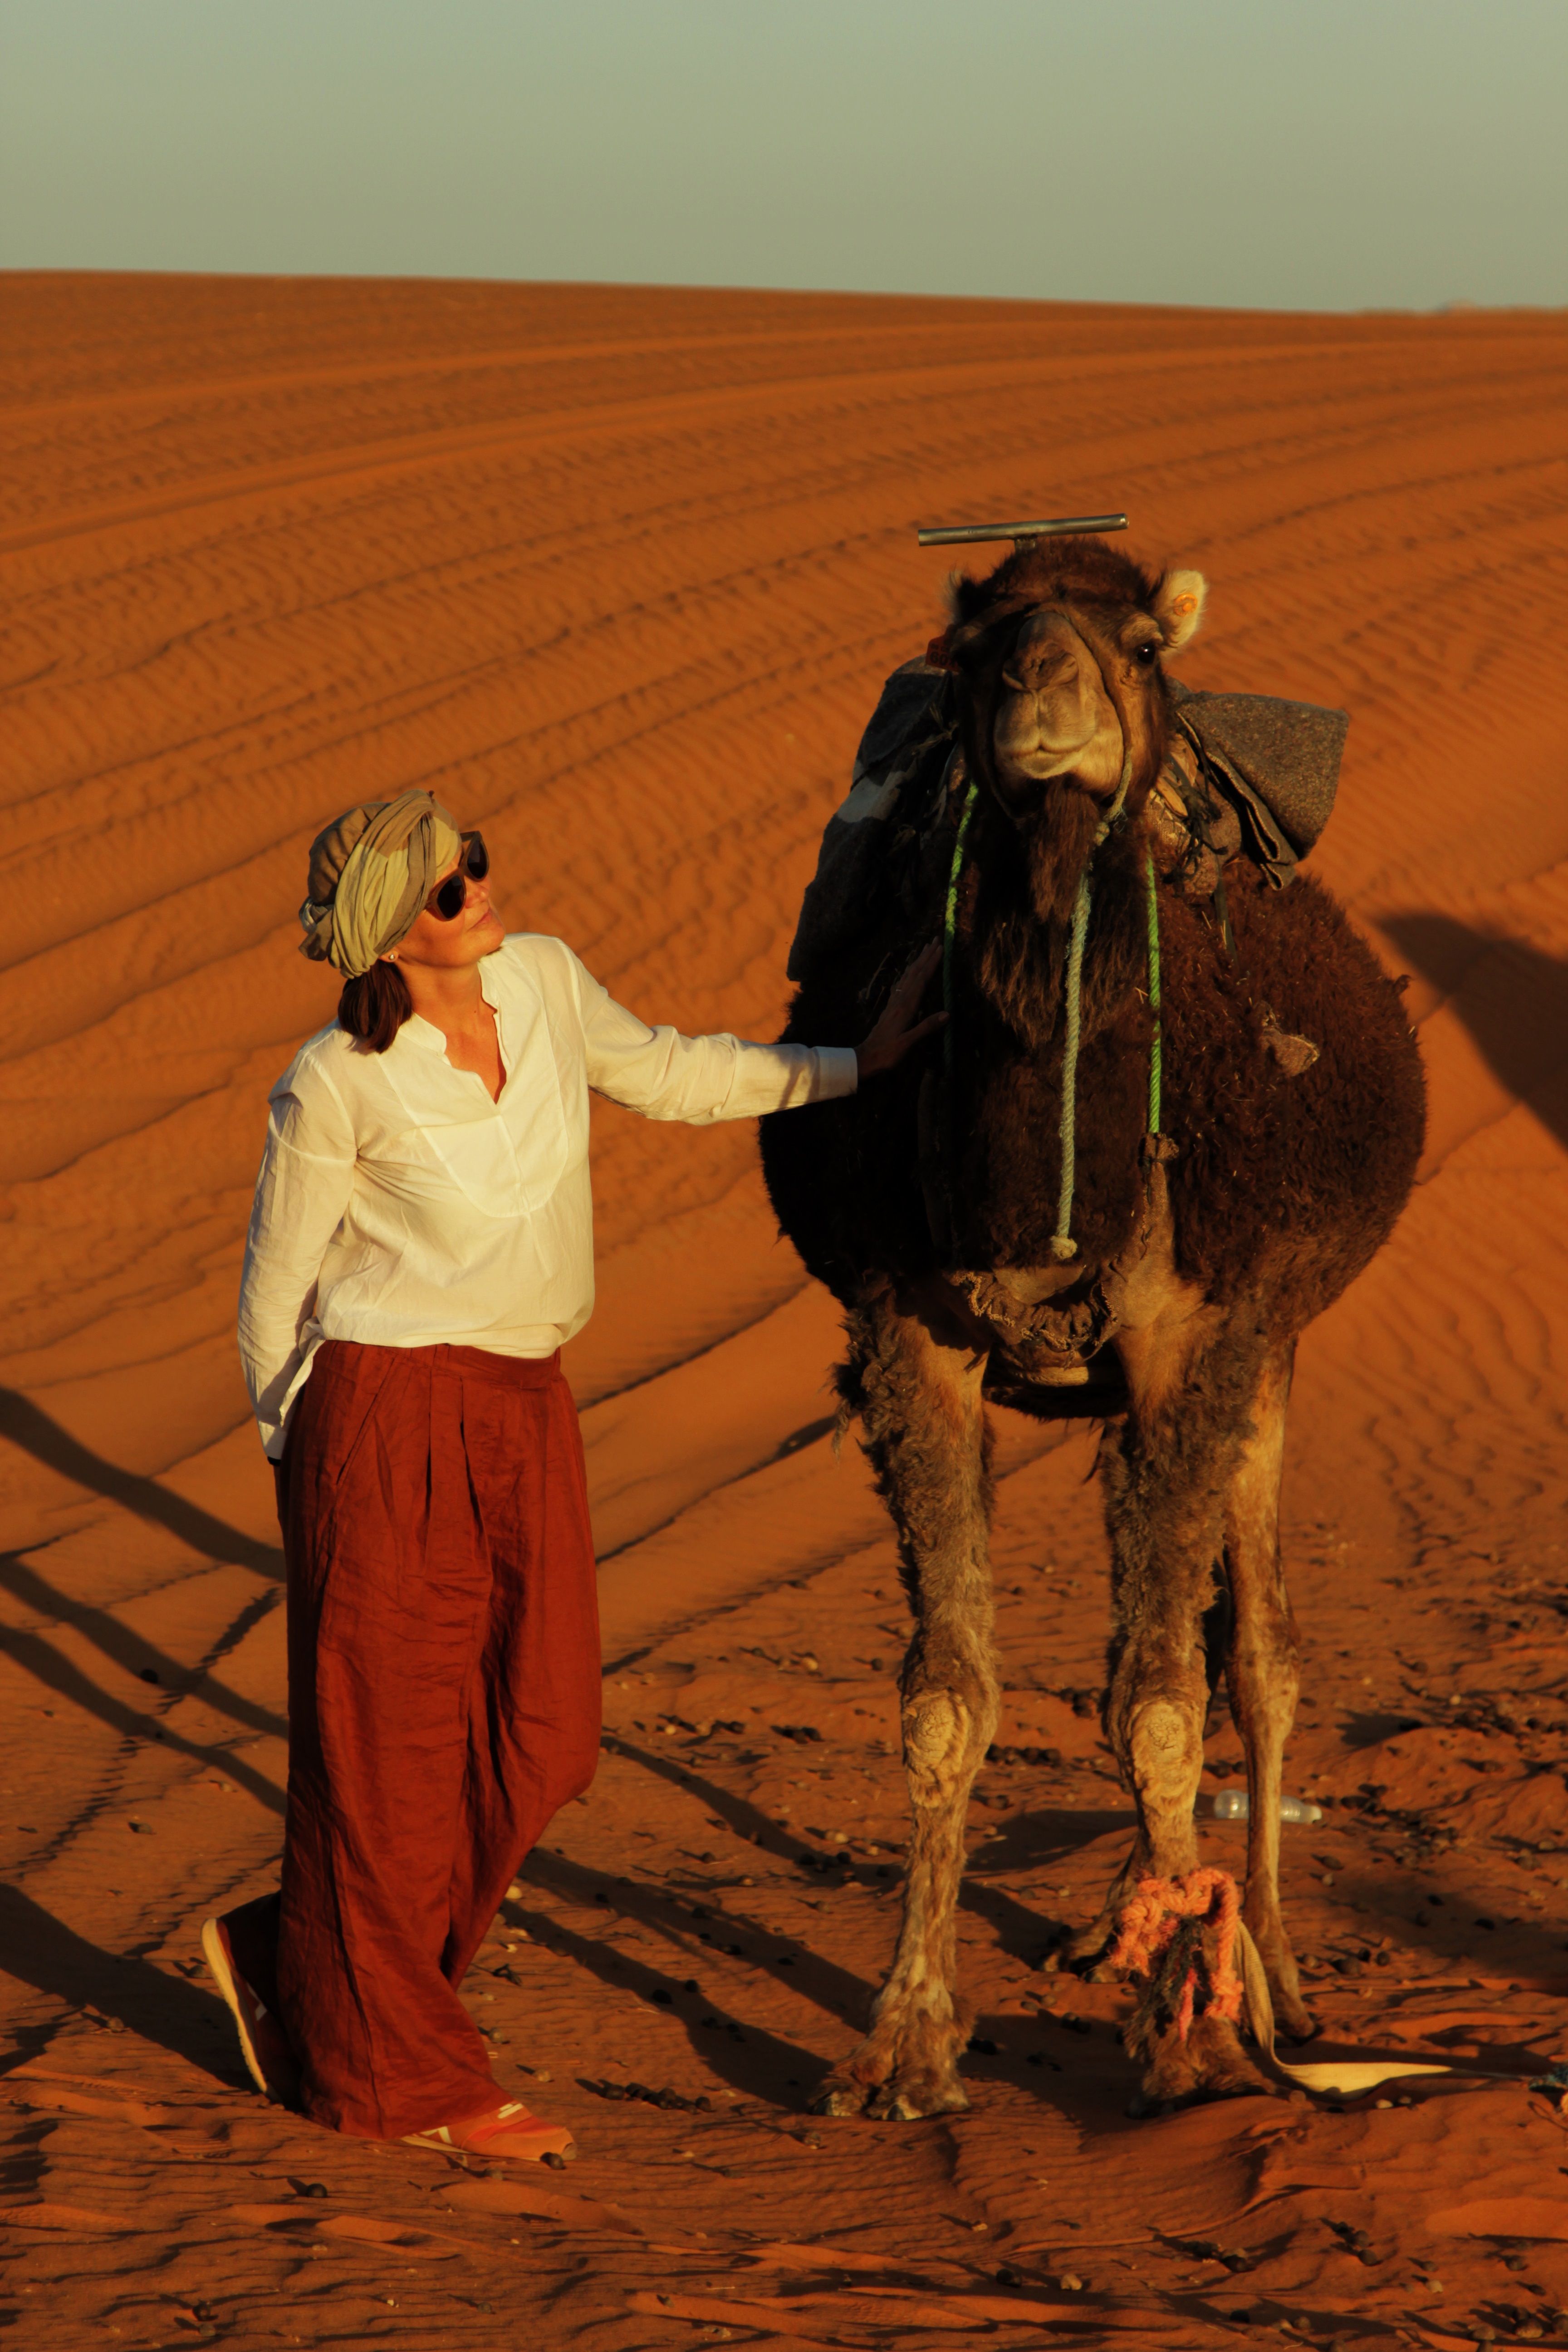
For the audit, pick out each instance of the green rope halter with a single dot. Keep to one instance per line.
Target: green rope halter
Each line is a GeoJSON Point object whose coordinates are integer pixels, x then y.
{"type": "Point", "coordinates": [949, 919]}
{"type": "Point", "coordinates": [1063, 1246]}
{"type": "Point", "coordinates": [1154, 991]}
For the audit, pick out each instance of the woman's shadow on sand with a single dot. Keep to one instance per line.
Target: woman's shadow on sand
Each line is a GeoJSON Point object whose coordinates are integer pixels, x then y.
{"type": "Point", "coordinates": [117, 1991]}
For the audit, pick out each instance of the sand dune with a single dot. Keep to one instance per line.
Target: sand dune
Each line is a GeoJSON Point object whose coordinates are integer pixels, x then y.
{"type": "Point", "coordinates": [618, 572]}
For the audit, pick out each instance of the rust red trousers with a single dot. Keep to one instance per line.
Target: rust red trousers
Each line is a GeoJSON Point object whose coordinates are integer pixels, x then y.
{"type": "Point", "coordinates": [444, 1693]}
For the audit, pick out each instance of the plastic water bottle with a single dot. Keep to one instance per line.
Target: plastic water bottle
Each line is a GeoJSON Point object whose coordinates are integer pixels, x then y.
{"type": "Point", "coordinates": [1233, 1805]}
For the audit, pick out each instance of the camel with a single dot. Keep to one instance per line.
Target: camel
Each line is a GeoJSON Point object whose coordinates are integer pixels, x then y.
{"type": "Point", "coordinates": [1162, 1297]}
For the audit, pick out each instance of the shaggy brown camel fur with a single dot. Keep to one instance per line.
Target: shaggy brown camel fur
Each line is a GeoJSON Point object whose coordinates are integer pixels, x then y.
{"type": "Point", "coordinates": [928, 1205]}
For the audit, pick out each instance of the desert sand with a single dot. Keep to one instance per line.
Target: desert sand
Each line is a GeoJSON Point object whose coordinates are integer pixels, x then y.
{"type": "Point", "coordinates": [618, 574]}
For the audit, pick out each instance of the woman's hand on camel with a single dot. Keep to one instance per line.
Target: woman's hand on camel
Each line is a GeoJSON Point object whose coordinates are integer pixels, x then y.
{"type": "Point", "coordinates": [899, 1027]}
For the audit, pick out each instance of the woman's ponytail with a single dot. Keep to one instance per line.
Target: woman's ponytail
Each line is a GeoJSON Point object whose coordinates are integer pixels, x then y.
{"type": "Point", "coordinates": [375, 1007]}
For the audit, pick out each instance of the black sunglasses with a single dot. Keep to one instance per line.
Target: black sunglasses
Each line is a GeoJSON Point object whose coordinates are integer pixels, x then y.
{"type": "Point", "coordinates": [446, 902]}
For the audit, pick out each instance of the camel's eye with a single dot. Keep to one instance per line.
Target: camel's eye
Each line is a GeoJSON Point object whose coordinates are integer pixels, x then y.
{"type": "Point", "coordinates": [1147, 654]}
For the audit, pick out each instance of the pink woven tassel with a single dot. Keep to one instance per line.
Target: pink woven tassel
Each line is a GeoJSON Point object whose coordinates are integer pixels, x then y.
{"type": "Point", "coordinates": [1148, 1921]}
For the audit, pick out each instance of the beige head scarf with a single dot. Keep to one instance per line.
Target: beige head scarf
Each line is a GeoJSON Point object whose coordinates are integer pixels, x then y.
{"type": "Point", "coordinates": [371, 873]}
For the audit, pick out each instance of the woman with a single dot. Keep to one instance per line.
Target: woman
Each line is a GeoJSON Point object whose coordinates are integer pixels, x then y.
{"type": "Point", "coordinates": [420, 1247]}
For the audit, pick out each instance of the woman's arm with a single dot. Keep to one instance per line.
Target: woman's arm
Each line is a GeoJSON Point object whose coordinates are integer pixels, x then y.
{"type": "Point", "coordinates": [702, 1079]}
{"type": "Point", "coordinates": [301, 1193]}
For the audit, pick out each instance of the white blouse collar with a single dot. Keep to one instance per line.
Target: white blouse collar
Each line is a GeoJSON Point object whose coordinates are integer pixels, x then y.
{"type": "Point", "coordinates": [429, 1039]}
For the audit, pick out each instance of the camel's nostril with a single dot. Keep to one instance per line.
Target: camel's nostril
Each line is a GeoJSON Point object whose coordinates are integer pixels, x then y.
{"type": "Point", "coordinates": [1016, 683]}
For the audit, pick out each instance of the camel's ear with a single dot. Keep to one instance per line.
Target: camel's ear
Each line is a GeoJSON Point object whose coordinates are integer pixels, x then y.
{"type": "Point", "coordinates": [1179, 607]}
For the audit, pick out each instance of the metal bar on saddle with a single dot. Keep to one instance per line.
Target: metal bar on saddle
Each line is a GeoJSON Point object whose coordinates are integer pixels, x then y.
{"type": "Point", "coordinates": [957, 534]}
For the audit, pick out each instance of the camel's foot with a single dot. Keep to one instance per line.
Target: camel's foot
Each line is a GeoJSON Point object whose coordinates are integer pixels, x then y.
{"type": "Point", "coordinates": [1086, 1951]}
{"type": "Point", "coordinates": [897, 2074]}
{"type": "Point", "coordinates": [1209, 2064]}
{"type": "Point", "coordinates": [1293, 2021]}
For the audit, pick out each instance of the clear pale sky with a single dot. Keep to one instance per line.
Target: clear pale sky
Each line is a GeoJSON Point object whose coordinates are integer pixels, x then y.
{"type": "Point", "coordinates": [1301, 154]}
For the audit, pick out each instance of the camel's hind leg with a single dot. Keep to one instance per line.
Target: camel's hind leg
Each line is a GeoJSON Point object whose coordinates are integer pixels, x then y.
{"type": "Point", "coordinates": [1261, 1673]}
{"type": "Point", "coordinates": [915, 1379]}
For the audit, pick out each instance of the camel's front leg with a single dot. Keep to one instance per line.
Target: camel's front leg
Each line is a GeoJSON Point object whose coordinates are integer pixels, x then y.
{"type": "Point", "coordinates": [1192, 1379]}
{"type": "Point", "coordinates": [917, 1384]}
{"type": "Point", "coordinates": [1261, 1674]}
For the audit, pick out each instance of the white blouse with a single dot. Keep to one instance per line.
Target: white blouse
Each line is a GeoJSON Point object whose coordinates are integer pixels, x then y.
{"type": "Point", "coordinates": [397, 1205]}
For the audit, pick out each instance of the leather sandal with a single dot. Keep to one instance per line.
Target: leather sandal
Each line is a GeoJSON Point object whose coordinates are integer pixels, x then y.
{"type": "Point", "coordinates": [263, 2043]}
{"type": "Point", "coordinates": [507, 2130]}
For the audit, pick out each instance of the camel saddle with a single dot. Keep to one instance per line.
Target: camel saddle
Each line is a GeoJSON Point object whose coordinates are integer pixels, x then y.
{"type": "Point", "coordinates": [1246, 775]}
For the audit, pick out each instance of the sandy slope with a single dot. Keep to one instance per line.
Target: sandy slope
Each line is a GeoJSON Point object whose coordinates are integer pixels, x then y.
{"type": "Point", "coordinates": [618, 574]}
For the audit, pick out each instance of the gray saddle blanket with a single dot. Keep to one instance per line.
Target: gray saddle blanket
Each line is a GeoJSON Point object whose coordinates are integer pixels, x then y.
{"type": "Point", "coordinates": [1263, 771]}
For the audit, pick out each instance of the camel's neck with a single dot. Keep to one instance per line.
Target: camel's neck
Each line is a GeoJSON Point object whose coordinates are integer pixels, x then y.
{"type": "Point", "coordinates": [1022, 916]}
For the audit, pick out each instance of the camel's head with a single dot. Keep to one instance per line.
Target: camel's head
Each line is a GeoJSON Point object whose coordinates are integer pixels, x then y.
{"type": "Point", "coordinates": [1060, 652]}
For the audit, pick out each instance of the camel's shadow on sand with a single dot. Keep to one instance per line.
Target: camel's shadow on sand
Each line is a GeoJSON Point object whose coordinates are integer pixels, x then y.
{"type": "Point", "coordinates": [1509, 995]}
{"type": "Point", "coordinates": [760, 2064]}
{"type": "Point", "coordinates": [1076, 2064]}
